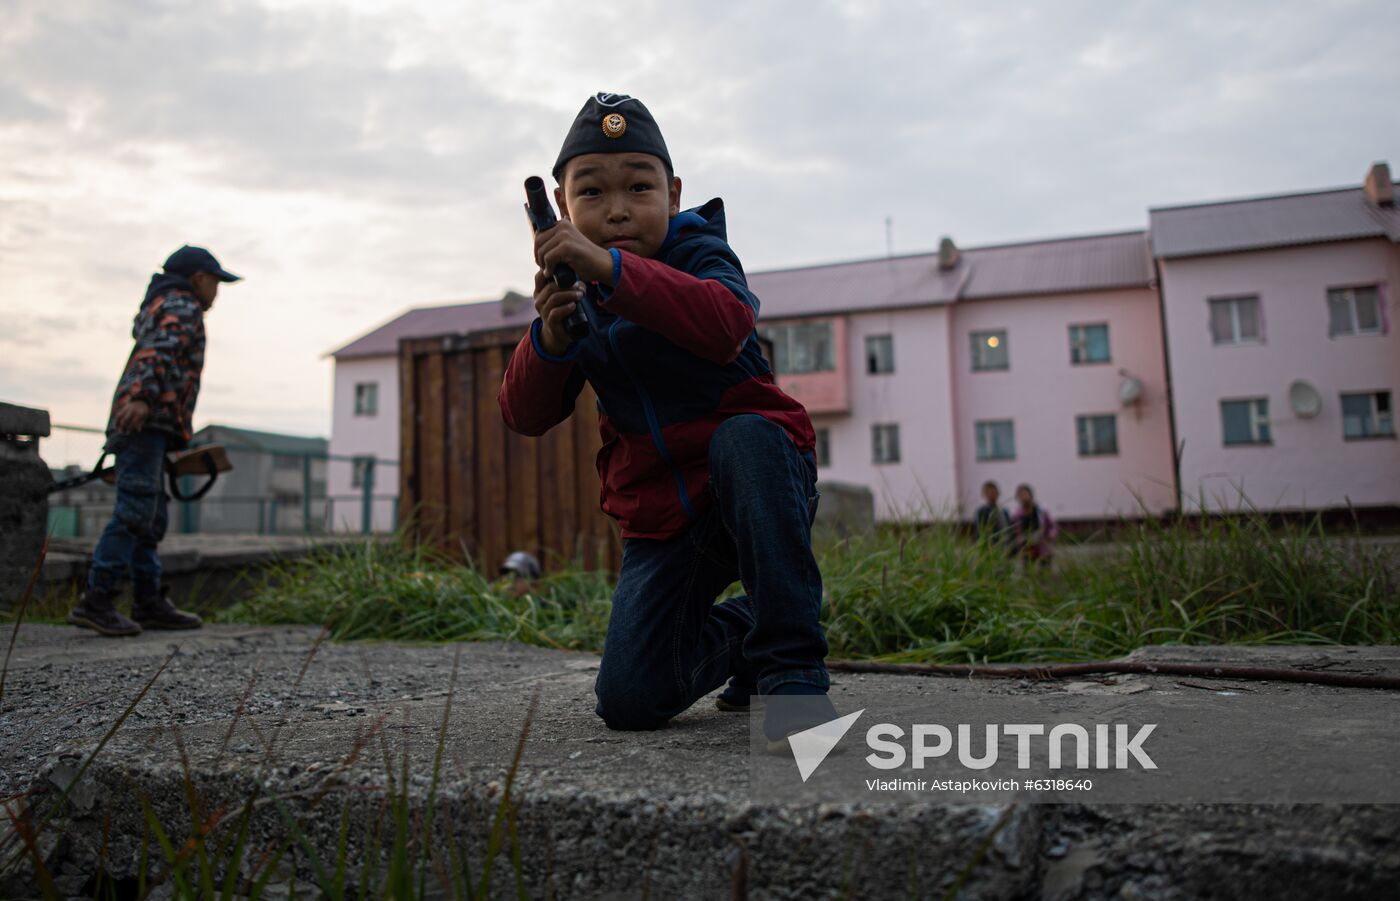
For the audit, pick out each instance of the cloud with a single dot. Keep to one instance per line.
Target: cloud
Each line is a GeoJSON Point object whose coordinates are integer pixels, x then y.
{"type": "Point", "coordinates": [354, 159]}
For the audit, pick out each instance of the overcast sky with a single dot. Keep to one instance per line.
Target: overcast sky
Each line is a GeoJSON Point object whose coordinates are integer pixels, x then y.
{"type": "Point", "coordinates": [352, 160]}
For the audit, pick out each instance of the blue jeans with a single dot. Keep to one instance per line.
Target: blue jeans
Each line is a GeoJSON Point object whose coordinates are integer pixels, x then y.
{"type": "Point", "coordinates": [668, 642]}
{"type": "Point", "coordinates": [139, 520]}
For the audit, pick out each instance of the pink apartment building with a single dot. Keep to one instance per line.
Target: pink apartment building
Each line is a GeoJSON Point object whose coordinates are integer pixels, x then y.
{"type": "Point", "coordinates": [927, 375]}
{"type": "Point", "coordinates": [1284, 362]}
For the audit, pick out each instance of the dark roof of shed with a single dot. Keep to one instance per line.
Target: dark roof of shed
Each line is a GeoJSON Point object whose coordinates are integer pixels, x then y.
{"type": "Point", "coordinates": [253, 439]}
{"type": "Point", "coordinates": [1057, 266]}
{"type": "Point", "coordinates": [426, 322]}
{"type": "Point", "coordinates": [1259, 223]}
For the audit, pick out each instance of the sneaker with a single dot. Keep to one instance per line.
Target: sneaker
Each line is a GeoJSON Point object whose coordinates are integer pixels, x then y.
{"type": "Point", "coordinates": [735, 697]}
{"type": "Point", "coordinates": [155, 611]}
{"type": "Point", "coordinates": [97, 611]}
{"type": "Point", "coordinates": [801, 707]}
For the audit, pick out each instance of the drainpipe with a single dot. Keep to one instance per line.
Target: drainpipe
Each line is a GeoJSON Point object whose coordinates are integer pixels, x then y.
{"type": "Point", "coordinates": [1167, 366]}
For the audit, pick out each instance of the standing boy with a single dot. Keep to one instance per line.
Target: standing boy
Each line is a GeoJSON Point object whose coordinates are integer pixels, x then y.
{"type": "Point", "coordinates": [152, 413]}
{"type": "Point", "coordinates": [706, 464]}
{"type": "Point", "coordinates": [993, 525]}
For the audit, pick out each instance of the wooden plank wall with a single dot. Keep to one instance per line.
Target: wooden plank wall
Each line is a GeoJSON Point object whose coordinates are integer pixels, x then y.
{"type": "Point", "coordinates": [473, 489]}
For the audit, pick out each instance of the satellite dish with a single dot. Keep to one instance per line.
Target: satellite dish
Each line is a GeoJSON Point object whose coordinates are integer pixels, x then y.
{"type": "Point", "coordinates": [1130, 391]}
{"type": "Point", "coordinates": [1304, 399]}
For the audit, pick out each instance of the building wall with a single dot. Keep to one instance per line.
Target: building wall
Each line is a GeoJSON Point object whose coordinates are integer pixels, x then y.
{"type": "Point", "coordinates": [370, 436]}
{"type": "Point", "coordinates": [1042, 392]}
{"type": "Point", "coordinates": [1309, 464]}
{"type": "Point", "coordinates": [917, 396]}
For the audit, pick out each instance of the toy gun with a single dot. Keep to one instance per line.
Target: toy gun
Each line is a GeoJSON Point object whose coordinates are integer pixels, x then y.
{"type": "Point", "coordinates": [542, 218]}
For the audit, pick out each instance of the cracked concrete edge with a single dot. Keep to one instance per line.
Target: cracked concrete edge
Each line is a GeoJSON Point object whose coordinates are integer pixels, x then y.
{"type": "Point", "coordinates": [577, 843]}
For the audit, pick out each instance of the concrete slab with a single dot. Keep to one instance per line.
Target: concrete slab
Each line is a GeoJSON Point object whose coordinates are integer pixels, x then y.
{"type": "Point", "coordinates": [205, 571]}
{"type": "Point", "coordinates": [607, 814]}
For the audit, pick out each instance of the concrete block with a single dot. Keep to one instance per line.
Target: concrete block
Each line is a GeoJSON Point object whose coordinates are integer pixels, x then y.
{"type": "Point", "coordinates": [845, 510]}
{"type": "Point", "coordinates": [25, 421]}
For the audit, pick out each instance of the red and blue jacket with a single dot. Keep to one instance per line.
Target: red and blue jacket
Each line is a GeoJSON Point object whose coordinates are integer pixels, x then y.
{"type": "Point", "coordinates": [671, 354]}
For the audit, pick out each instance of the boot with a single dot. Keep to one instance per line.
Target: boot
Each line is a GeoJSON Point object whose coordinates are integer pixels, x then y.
{"type": "Point", "coordinates": [97, 610]}
{"type": "Point", "coordinates": [155, 611]}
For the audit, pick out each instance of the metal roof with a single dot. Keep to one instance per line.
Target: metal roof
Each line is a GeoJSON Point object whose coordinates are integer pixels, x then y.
{"type": "Point", "coordinates": [1059, 266]}
{"type": "Point", "coordinates": [1259, 223]}
{"type": "Point", "coordinates": [253, 439]}
{"type": "Point", "coordinates": [426, 322]}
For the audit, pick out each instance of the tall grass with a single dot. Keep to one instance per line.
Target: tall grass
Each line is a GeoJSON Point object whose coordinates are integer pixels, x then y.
{"type": "Point", "coordinates": [927, 594]}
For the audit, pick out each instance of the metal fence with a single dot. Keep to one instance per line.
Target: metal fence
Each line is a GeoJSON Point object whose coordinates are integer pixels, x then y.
{"type": "Point", "coordinates": [274, 491]}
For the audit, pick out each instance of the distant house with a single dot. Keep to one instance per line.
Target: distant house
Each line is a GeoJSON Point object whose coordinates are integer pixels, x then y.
{"type": "Point", "coordinates": [278, 484]}
{"type": "Point", "coordinates": [1280, 320]}
{"type": "Point", "coordinates": [365, 404]}
{"type": "Point", "coordinates": [927, 375]}
{"type": "Point", "coordinates": [81, 511]}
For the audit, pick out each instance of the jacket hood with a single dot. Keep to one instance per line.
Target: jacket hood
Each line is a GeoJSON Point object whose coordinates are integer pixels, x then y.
{"type": "Point", "coordinates": [707, 219]}
{"type": "Point", "coordinates": [162, 282]}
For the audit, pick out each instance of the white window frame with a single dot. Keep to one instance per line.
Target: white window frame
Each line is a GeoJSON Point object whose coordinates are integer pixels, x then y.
{"type": "Point", "coordinates": [1078, 339]}
{"type": "Point", "coordinates": [1258, 419]}
{"type": "Point", "coordinates": [1379, 424]}
{"type": "Point", "coordinates": [884, 443]}
{"type": "Point", "coordinates": [1235, 340]}
{"type": "Point", "coordinates": [876, 362]}
{"type": "Point", "coordinates": [363, 390]}
{"type": "Point", "coordinates": [358, 466]}
{"type": "Point", "coordinates": [981, 429]}
{"type": "Point", "coordinates": [1083, 429]}
{"type": "Point", "coordinates": [783, 336]}
{"type": "Point", "coordinates": [1356, 331]}
{"type": "Point", "coordinates": [978, 341]}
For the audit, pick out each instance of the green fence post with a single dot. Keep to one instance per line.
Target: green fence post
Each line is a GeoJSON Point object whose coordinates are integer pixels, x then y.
{"type": "Point", "coordinates": [306, 493]}
{"type": "Point", "coordinates": [367, 498]}
{"type": "Point", "coordinates": [272, 517]}
{"type": "Point", "coordinates": [187, 523]}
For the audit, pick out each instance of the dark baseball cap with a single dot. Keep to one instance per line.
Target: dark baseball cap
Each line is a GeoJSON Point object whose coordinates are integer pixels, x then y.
{"type": "Point", "coordinates": [188, 260]}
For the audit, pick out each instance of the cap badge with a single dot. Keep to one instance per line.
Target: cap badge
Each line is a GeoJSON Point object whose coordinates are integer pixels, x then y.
{"type": "Point", "coordinates": [614, 125]}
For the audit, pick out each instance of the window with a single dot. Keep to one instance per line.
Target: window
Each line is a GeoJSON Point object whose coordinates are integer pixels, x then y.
{"type": "Point", "coordinates": [802, 347]}
{"type": "Point", "coordinates": [1098, 435]}
{"type": "Point", "coordinates": [1234, 320]}
{"type": "Point", "coordinates": [989, 351]}
{"type": "Point", "coordinates": [367, 399]}
{"type": "Point", "coordinates": [823, 448]}
{"type": "Point", "coordinates": [886, 443]}
{"type": "Point", "coordinates": [1245, 421]}
{"type": "Point", "coordinates": [1088, 343]}
{"type": "Point", "coordinates": [996, 440]}
{"type": "Point", "coordinates": [360, 467]}
{"type": "Point", "coordinates": [1367, 415]}
{"type": "Point", "coordinates": [879, 354]}
{"type": "Point", "coordinates": [1354, 311]}
{"type": "Point", "coordinates": [286, 461]}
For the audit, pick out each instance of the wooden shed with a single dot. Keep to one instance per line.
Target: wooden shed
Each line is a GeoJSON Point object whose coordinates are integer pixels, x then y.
{"type": "Point", "coordinates": [471, 487]}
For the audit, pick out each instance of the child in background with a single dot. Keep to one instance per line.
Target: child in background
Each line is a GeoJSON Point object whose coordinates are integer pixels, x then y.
{"type": "Point", "coordinates": [1033, 529]}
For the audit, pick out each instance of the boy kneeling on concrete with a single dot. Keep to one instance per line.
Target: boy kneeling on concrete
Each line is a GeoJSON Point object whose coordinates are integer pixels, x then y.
{"type": "Point", "coordinates": [706, 464]}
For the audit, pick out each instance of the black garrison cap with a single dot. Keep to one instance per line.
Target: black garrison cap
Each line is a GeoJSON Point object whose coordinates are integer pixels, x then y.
{"type": "Point", "coordinates": [612, 123]}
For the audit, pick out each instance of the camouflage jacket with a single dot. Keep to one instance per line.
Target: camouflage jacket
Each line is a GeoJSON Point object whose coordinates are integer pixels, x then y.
{"type": "Point", "coordinates": [165, 365]}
